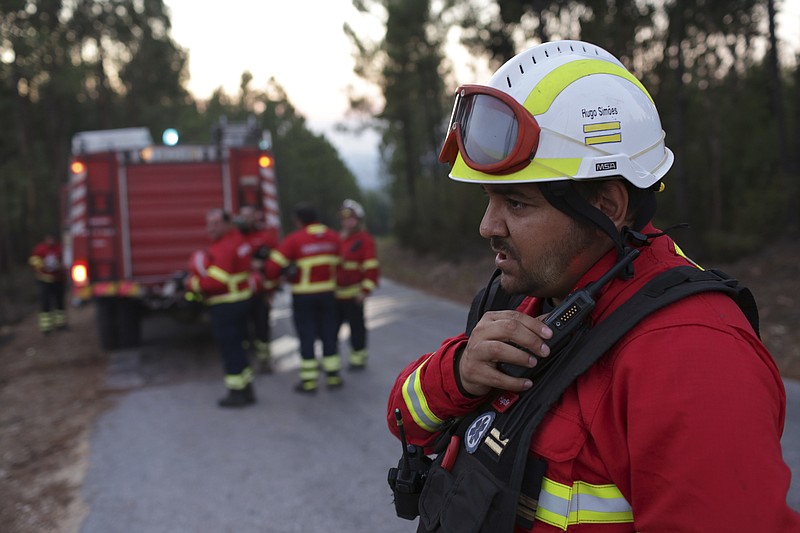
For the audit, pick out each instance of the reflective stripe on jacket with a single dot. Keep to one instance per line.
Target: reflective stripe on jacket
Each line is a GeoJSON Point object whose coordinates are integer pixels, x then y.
{"type": "Point", "coordinates": [359, 270]}
{"type": "Point", "coordinates": [225, 278]}
{"type": "Point", "coordinates": [308, 258]}
{"type": "Point", "coordinates": [47, 263]}
{"type": "Point", "coordinates": [659, 434]}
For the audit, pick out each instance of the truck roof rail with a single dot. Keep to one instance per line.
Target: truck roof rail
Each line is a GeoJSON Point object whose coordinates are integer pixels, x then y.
{"type": "Point", "coordinates": [90, 142]}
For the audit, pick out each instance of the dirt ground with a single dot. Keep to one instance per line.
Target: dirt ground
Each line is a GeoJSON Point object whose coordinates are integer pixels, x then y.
{"type": "Point", "coordinates": [53, 387]}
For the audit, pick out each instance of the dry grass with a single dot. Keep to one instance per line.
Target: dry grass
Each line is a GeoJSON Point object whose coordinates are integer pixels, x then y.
{"type": "Point", "coordinates": [457, 279]}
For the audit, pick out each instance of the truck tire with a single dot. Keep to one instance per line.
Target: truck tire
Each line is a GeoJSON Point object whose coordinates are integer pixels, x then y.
{"type": "Point", "coordinates": [129, 319]}
{"type": "Point", "coordinates": [107, 331]}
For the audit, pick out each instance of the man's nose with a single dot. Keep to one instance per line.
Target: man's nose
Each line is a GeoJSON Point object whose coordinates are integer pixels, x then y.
{"type": "Point", "coordinates": [492, 225]}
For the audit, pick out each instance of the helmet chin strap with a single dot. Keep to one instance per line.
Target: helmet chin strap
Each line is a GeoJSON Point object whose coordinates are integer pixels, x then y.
{"type": "Point", "coordinates": [564, 197]}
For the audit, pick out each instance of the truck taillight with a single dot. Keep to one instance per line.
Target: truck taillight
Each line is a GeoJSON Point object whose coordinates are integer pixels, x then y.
{"type": "Point", "coordinates": [77, 167]}
{"type": "Point", "coordinates": [80, 274]}
{"type": "Point", "coordinates": [265, 161]}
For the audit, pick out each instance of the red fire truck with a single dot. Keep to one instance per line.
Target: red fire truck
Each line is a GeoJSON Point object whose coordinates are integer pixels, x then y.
{"type": "Point", "coordinates": [135, 212]}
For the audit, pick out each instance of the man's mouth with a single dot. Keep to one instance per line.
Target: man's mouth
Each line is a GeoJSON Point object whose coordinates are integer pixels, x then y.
{"type": "Point", "coordinates": [504, 255]}
{"type": "Point", "coordinates": [503, 252]}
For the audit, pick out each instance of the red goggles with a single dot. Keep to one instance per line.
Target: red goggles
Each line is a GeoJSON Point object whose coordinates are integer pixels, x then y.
{"type": "Point", "coordinates": [493, 132]}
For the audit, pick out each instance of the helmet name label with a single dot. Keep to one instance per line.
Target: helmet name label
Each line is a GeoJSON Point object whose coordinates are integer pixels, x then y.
{"type": "Point", "coordinates": [599, 111]}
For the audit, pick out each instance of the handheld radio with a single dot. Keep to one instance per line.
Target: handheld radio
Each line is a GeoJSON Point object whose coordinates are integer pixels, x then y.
{"type": "Point", "coordinates": [565, 319]}
{"type": "Point", "coordinates": [408, 478]}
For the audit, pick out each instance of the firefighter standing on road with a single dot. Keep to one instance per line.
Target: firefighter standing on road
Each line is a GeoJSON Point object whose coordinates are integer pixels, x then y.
{"type": "Point", "coordinates": [677, 426]}
{"type": "Point", "coordinates": [357, 278]}
{"type": "Point", "coordinates": [308, 259]}
{"type": "Point", "coordinates": [262, 242]}
{"type": "Point", "coordinates": [222, 275]}
{"type": "Point", "coordinates": [46, 259]}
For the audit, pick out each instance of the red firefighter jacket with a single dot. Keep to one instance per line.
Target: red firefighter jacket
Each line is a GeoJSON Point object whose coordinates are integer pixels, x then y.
{"type": "Point", "coordinates": [676, 428]}
{"type": "Point", "coordinates": [223, 276]}
{"type": "Point", "coordinates": [308, 258]}
{"type": "Point", "coordinates": [358, 272]}
{"type": "Point", "coordinates": [47, 262]}
{"type": "Point", "coordinates": [262, 241]}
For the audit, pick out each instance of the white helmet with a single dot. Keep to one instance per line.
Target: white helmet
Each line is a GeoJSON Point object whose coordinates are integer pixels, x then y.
{"type": "Point", "coordinates": [564, 110]}
{"type": "Point", "coordinates": [353, 207]}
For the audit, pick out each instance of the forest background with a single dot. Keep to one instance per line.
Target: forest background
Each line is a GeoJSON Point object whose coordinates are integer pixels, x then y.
{"type": "Point", "coordinates": [726, 88]}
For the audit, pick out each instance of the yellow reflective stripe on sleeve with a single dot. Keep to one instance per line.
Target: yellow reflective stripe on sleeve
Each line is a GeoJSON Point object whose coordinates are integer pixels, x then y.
{"type": "Point", "coordinates": [350, 265]}
{"type": "Point", "coordinates": [370, 263]}
{"type": "Point", "coordinates": [417, 404]}
{"type": "Point", "coordinates": [562, 506]}
{"type": "Point", "coordinates": [682, 254]}
{"type": "Point", "coordinates": [215, 272]}
{"type": "Point", "coordinates": [35, 261]}
{"type": "Point", "coordinates": [279, 258]}
{"type": "Point", "coordinates": [368, 285]}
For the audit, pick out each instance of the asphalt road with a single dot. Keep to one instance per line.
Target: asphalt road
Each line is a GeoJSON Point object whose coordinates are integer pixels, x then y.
{"type": "Point", "coordinates": [166, 459]}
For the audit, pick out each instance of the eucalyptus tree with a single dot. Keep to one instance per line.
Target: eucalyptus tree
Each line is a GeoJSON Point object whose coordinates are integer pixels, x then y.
{"type": "Point", "coordinates": [407, 66]}
{"type": "Point", "coordinates": [703, 62]}
{"type": "Point", "coordinates": [64, 67]}
{"type": "Point", "coordinates": [308, 166]}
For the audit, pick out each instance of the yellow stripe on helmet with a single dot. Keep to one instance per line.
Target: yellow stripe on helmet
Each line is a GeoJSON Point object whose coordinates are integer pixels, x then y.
{"type": "Point", "coordinates": [539, 169]}
{"type": "Point", "coordinates": [542, 96]}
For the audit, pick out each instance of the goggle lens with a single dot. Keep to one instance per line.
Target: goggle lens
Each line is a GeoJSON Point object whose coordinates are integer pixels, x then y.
{"type": "Point", "coordinates": [492, 131]}
{"type": "Point", "coordinates": [489, 131]}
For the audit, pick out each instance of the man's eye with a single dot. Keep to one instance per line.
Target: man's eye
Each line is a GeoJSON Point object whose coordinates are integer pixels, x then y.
{"type": "Point", "coordinates": [514, 204]}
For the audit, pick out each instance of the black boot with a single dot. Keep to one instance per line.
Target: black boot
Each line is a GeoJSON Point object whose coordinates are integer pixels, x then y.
{"type": "Point", "coordinates": [237, 398]}
{"type": "Point", "coordinates": [306, 387]}
{"type": "Point", "coordinates": [249, 393]}
{"type": "Point", "coordinates": [333, 380]}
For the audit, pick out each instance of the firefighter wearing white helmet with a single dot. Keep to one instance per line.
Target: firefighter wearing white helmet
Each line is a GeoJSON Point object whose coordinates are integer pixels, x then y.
{"type": "Point", "coordinates": [568, 148]}
{"type": "Point", "coordinates": [564, 110]}
{"type": "Point", "coordinates": [357, 277]}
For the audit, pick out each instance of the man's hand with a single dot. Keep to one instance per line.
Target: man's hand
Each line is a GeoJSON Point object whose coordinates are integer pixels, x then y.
{"type": "Point", "coordinates": [492, 342]}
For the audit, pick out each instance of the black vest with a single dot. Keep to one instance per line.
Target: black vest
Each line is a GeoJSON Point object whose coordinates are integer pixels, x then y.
{"type": "Point", "coordinates": [486, 452]}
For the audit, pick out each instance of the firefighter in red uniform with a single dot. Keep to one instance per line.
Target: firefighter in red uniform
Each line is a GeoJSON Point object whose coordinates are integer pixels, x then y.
{"type": "Point", "coordinates": [222, 275]}
{"type": "Point", "coordinates": [677, 427]}
{"type": "Point", "coordinates": [262, 241]}
{"type": "Point", "coordinates": [356, 279]}
{"type": "Point", "coordinates": [308, 259]}
{"type": "Point", "coordinates": [46, 259]}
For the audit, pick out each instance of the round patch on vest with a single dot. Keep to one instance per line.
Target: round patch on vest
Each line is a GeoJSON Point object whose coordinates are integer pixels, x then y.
{"type": "Point", "coordinates": [477, 430]}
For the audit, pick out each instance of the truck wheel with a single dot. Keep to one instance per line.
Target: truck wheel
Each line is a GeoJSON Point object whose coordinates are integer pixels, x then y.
{"type": "Point", "coordinates": [129, 318]}
{"type": "Point", "coordinates": [106, 313]}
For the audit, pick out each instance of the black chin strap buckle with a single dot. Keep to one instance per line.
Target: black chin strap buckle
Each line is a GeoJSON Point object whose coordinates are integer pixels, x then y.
{"type": "Point", "coordinates": [630, 238]}
{"type": "Point", "coordinates": [634, 237]}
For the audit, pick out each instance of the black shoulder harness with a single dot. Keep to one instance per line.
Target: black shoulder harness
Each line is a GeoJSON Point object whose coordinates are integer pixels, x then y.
{"type": "Point", "coordinates": [481, 483]}
{"type": "Point", "coordinates": [491, 298]}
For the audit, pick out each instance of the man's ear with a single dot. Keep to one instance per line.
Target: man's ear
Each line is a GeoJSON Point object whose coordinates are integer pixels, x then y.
{"type": "Point", "coordinates": [613, 201]}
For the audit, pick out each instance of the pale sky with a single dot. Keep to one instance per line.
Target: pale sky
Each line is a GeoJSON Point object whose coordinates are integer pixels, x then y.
{"type": "Point", "coordinates": [301, 43]}
{"type": "Point", "coordinates": [298, 42]}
